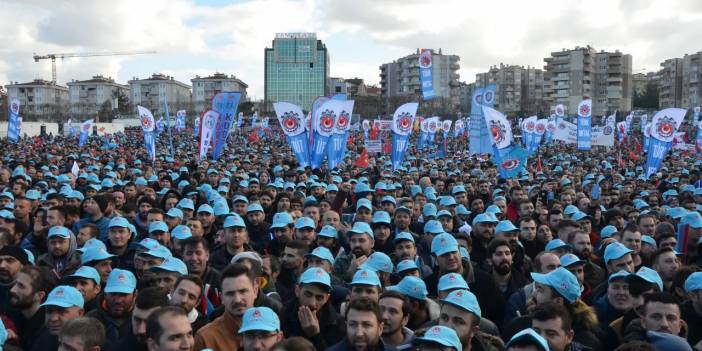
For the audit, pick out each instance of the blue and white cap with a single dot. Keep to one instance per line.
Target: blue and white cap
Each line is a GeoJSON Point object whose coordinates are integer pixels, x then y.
{"type": "Point", "coordinates": [562, 281]}
{"type": "Point", "coordinates": [693, 282]}
{"type": "Point", "coordinates": [260, 319]}
{"type": "Point", "coordinates": [322, 253]}
{"type": "Point", "coordinates": [452, 281]}
{"type": "Point", "coordinates": [464, 299]}
{"type": "Point", "coordinates": [443, 243]}
{"type": "Point", "coordinates": [120, 281]}
{"type": "Point", "coordinates": [441, 335]}
{"type": "Point", "coordinates": [406, 265]}
{"type": "Point", "coordinates": [379, 262]}
{"type": "Point", "coordinates": [648, 275]}
{"type": "Point", "coordinates": [615, 251]}
{"type": "Point", "coordinates": [328, 231]}
{"type": "Point", "coordinates": [366, 277]}
{"type": "Point", "coordinates": [59, 231]}
{"type": "Point", "coordinates": [315, 275]}
{"type": "Point", "coordinates": [86, 272]}
{"type": "Point", "coordinates": [181, 232]}
{"type": "Point", "coordinates": [528, 335]}
{"type": "Point", "coordinates": [64, 296]}
{"type": "Point", "coordinates": [171, 264]}
{"type": "Point", "coordinates": [412, 287]}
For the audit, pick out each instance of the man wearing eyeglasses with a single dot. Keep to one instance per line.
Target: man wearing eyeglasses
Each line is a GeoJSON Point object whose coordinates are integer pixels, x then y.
{"type": "Point", "coordinates": [260, 329]}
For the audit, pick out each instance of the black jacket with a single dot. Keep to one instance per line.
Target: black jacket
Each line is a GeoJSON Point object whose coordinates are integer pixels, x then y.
{"type": "Point", "coordinates": [115, 329]}
{"type": "Point", "coordinates": [332, 326]}
{"type": "Point", "coordinates": [344, 345]}
{"type": "Point", "coordinates": [45, 341]}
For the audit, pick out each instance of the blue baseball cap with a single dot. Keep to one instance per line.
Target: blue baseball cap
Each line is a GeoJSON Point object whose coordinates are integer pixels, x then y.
{"type": "Point", "coordinates": [443, 243]}
{"type": "Point", "coordinates": [59, 231]}
{"type": "Point", "coordinates": [693, 282]}
{"type": "Point", "coordinates": [381, 217]}
{"type": "Point", "coordinates": [158, 226]}
{"type": "Point", "coordinates": [149, 244]}
{"type": "Point", "coordinates": [32, 194]}
{"type": "Point", "coordinates": [281, 220]}
{"type": "Point", "coordinates": [464, 299]}
{"type": "Point", "coordinates": [379, 262]}
{"type": "Point", "coordinates": [315, 275]}
{"type": "Point", "coordinates": [648, 275]}
{"type": "Point", "coordinates": [451, 281]}
{"type": "Point", "coordinates": [615, 251]}
{"type": "Point", "coordinates": [493, 209]}
{"type": "Point", "coordinates": [86, 272]}
{"type": "Point", "coordinates": [364, 203]}
{"type": "Point", "coordinates": [175, 213]}
{"type": "Point", "coordinates": [95, 254]}
{"type": "Point", "coordinates": [556, 244]}
{"type": "Point", "coordinates": [433, 227]}
{"type": "Point", "coordinates": [171, 264]}
{"type": "Point", "coordinates": [366, 277]}
{"type": "Point", "coordinates": [647, 239]}
{"type": "Point", "coordinates": [441, 335]}
{"type": "Point", "coordinates": [119, 222]}
{"type": "Point", "coordinates": [570, 259]}
{"type": "Point", "coordinates": [528, 335]}
{"type": "Point", "coordinates": [186, 203]}
{"type": "Point", "coordinates": [120, 281]}
{"type": "Point", "coordinates": [322, 253]}
{"type": "Point", "coordinates": [181, 232]}
{"type": "Point", "coordinates": [205, 208]}
{"type": "Point", "coordinates": [462, 210]}
{"type": "Point", "coordinates": [618, 275]}
{"type": "Point", "coordinates": [328, 231]}
{"type": "Point", "coordinates": [304, 222]}
{"type": "Point", "coordinates": [429, 210]}
{"type": "Point", "coordinates": [447, 201]}
{"type": "Point", "coordinates": [484, 218]}
{"type": "Point", "coordinates": [259, 319]}
{"type": "Point", "coordinates": [361, 228]}
{"type": "Point", "coordinates": [412, 287]}
{"type": "Point", "coordinates": [403, 236]}
{"type": "Point", "coordinates": [97, 243]}
{"type": "Point", "coordinates": [158, 252]}
{"type": "Point", "coordinates": [693, 219]}
{"type": "Point", "coordinates": [388, 198]}
{"type": "Point", "coordinates": [64, 296]}
{"type": "Point", "coordinates": [234, 220]}
{"type": "Point", "coordinates": [406, 265]}
{"type": "Point", "coordinates": [254, 207]}
{"type": "Point", "coordinates": [505, 226]}
{"type": "Point", "coordinates": [579, 216]}
{"type": "Point", "coordinates": [562, 281]}
{"type": "Point", "coordinates": [608, 231]}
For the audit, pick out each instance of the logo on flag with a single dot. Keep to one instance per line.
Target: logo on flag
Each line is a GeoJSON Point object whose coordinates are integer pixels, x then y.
{"type": "Point", "coordinates": [425, 59]}
{"type": "Point", "coordinates": [326, 121]}
{"type": "Point", "coordinates": [510, 164]}
{"type": "Point", "coordinates": [607, 130]}
{"type": "Point", "coordinates": [560, 110]}
{"type": "Point", "coordinates": [290, 121]}
{"type": "Point", "coordinates": [665, 126]}
{"type": "Point", "coordinates": [343, 120]}
{"type": "Point", "coordinates": [488, 97]}
{"type": "Point", "coordinates": [14, 107]}
{"type": "Point", "coordinates": [498, 130]}
{"type": "Point", "coordinates": [584, 110]}
{"type": "Point", "coordinates": [404, 122]}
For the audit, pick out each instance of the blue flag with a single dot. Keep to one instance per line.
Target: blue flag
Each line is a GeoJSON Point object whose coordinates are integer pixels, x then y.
{"type": "Point", "coordinates": [85, 129]}
{"type": "Point", "coordinates": [663, 127]}
{"type": "Point", "coordinates": [292, 121]}
{"type": "Point", "coordinates": [196, 128]}
{"type": "Point", "coordinates": [324, 122]}
{"type": "Point", "coordinates": [425, 75]}
{"type": "Point", "coordinates": [148, 127]}
{"type": "Point", "coordinates": [336, 148]}
{"type": "Point", "coordinates": [511, 161]}
{"type": "Point", "coordinates": [225, 104]}
{"type": "Point", "coordinates": [14, 125]}
{"type": "Point", "coordinates": [402, 123]}
{"type": "Point", "coordinates": [584, 137]}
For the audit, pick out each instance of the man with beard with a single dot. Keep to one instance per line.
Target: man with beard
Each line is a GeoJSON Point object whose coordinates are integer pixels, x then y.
{"type": "Point", "coordinates": [12, 259]}
{"type": "Point", "coordinates": [62, 257]}
{"type": "Point", "coordinates": [236, 240]}
{"type": "Point", "coordinates": [406, 249]}
{"type": "Point", "coordinates": [517, 303]}
{"type": "Point", "coordinates": [394, 311]}
{"type": "Point", "coordinates": [361, 242]}
{"type": "Point", "coordinates": [311, 314]}
{"type": "Point", "coordinates": [63, 304]}
{"type": "Point", "coordinates": [116, 308]}
{"type": "Point", "coordinates": [516, 195]}
{"type": "Point", "coordinates": [30, 288]}
{"type": "Point", "coordinates": [257, 227]}
{"type": "Point", "coordinates": [148, 301]}
{"type": "Point", "coordinates": [460, 311]}
{"type": "Point", "coordinates": [260, 329]}
{"type": "Point", "coordinates": [364, 327]}
{"type": "Point", "coordinates": [292, 265]}
{"type": "Point", "coordinates": [631, 238]}
{"type": "Point", "coordinates": [582, 247]}
{"type": "Point", "coordinates": [666, 262]}
{"type": "Point", "coordinates": [187, 293]}
{"type": "Point", "coordinates": [282, 228]}
{"type": "Point", "coordinates": [87, 280]}
{"type": "Point", "coordinates": [206, 215]}
{"type": "Point", "coordinates": [168, 329]}
{"type": "Point", "coordinates": [483, 232]}
{"type": "Point", "coordinates": [501, 259]}
{"type": "Point", "coordinates": [240, 288]}
{"type": "Point", "coordinates": [144, 205]}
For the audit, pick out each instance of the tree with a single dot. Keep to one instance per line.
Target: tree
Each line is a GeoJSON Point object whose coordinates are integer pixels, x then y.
{"type": "Point", "coordinates": [246, 108]}
{"type": "Point", "coordinates": [648, 99]}
{"type": "Point", "coordinates": [123, 104]}
{"type": "Point", "coordinates": [105, 112]}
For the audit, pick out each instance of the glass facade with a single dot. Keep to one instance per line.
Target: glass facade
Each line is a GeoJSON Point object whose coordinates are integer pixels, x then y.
{"type": "Point", "coordinates": [296, 70]}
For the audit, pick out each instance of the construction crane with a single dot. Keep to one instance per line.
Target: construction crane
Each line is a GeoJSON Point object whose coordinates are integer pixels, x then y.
{"type": "Point", "coordinates": [53, 57]}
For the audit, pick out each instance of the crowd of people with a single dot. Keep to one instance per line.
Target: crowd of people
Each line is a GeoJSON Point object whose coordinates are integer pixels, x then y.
{"type": "Point", "coordinates": [102, 248]}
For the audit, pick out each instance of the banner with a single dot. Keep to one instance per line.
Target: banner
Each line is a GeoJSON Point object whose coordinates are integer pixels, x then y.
{"type": "Point", "coordinates": [208, 129]}
{"type": "Point", "coordinates": [559, 112]}
{"type": "Point", "coordinates": [402, 122]}
{"type": "Point", "coordinates": [621, 131]}
{"type": "Point", "coordinates": [480, 139]}
{"type": "Point", "coordinates": [446, 127]}
{"type": "Point", "coordinates": [644, 122]}
{"type": "Point", "coordinates": [366, 128]}
{"type": "Point", "coordinates": [663, 127]}
{"type": "Point", "coordinates": [180, 120]}
{"type": "Point", "coordinates": [14, 122]}
{"type": "Point", "coordinates": [550, 129]}
{"type": "Point", "coordinates": [292, 121]}
{"type": "Point", "coordinates": [239, 120]}
{"type": "Point", "coordinates": [499, 126]}
{"type": "Point", "coordinates": [71, 129]}
{"type": "Point", "coordinates": [600, 136]}
{"type": "Point", "coordinates": [147, 126]}
{"type": "Point", "coordinates": [695, 115]}
{"type": "Point", "coordinates": [324, 127]}
{"type": "Point", "coordinates": [539, 131]}
{"type": "Point", "coordinates": [584, 140]}
{"type": "Point", "coordinates": [170, 132]}
{"type": "Point", "coordinates": [160, 126]}
{"type": "Point", "coordinates": [425, 75]}
{"type": "Point", "coordinates": [529, 132]}
{"type": "Point", "coordinates": [458, 128]}
{"type": "Point", "coordinates": [511, 161]}
{"type": "Point", "coordinates": [433, 125]}
{"type": "Point", "coordinates": [225, 104]}
{"type": "Point", "coordinates": [196, 126]}
{"type": "Point", "coordinates": [628, 119]}
{"type": "Point", "coordinates": [337, 143]}
{"type": "Point", "coordinates": [698, 141]}
{"type": "Point", "coordinates": [647, 136]}
{"type": "Point", "coordinates": [311, 123]}
{"type": "Point", "coordinates": [85, 129]}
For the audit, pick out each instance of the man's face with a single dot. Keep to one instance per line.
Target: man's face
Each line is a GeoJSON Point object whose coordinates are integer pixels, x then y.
{"type": "Point", "coordinates": [238, 295]}
{"type": "Point", "coordinates": [526, 209]}
{"type": "Point", "coordinates": [55, 317]}
{"type": "Point", "coordinates": [402, 220]}
{"type": "Point", "coordinates": [313, 296]}
{"type": "Point", "coordinates": [667, 264]}
{"type": "Point", "coordinates": [363, 330]}
{"type": "Point", "coordinates": [196, 257]}
{"type": "Point", "coordinates": [256, 217]}
{"type": "Point", "coordinates": [578, 271]}
{"type": "Point", "coordinates": [405, 250]}
{"type": "Point", "coordinates": [22, 208]}
{"type": "Point", "coordinates": [582, 245]}
{"type": "Point", "coordinates": [206, 218]}
{"type": "Point", "coordinates": [70, 343]}
{"type": "Point", "coordinates": [307, 235]}
{"type": "Point", "coordinates": [154, 217]}
{"type": "Point", "coordinates": [119, 305]}
{"type": "Point", "coordinates": [312, 212]}
{"type": "Point", "coordinates": [83, 236]}
{"type": "Point", "coordinates": [87, 287]}
{"type": "Point", "coordinates": [236, 237]}
{"type": "Point", "coordinates": [331, 218]}
{"type": "Point", "coordinates": [58, 247]}
{"type": "Point", "coordinates": [139, 318]}
{"type": "Point", "coordinates": [661, 317]}
{"type": "Point", "coordinates": [554, 219]}
{"type": "Point", "coordinates": [283, 234]}
{"type": "Point", "coordinates": [186, 294]}
{"type": "Point", "coordinates": [552, 330]}
{"type": "Point", "coordinates": [196, 228]}
{"type": "Point", "coordinates": [618, 295]}
{"type": "Point", "coordinates": [392, 315]}
{"type": "Point", "coordinates": [647, 226]}
{"type": "Point", "coordinates": [362, 290]}
{"type": "Point", "coordinates": [104, 268]}
{"type": "Point", "coordinates": [361, 244]}
{"type": "Point", "coordinates": [527, 230]}
{"type": "Point", "coordinates": [632, 240]}
{"type": "Point", "coordinates": [502, 260]}
{"type": "Point", "coordinates": [292, 259]}
{"type": "Point", "coordinates": [91, 207]}
{"type": "Point", "coordinates": [21, 295]}
{"type": "Point", "coordinates": [54, 218]}
{"type": "Point", "coordinates": [460, 320]}
{"type": "Point", "coordinates": [177, 334]}
{"type": "Point", "coordinates": [543, 293]}
{"type": "Point", "coordinates": [119, 236]}
{"type": "Point", "coordinates": [9, 267]}
{"type": "Point", "coordinates": [260, 340]}
{"type": "Point", "coordinates": [449, 262]}
{"type": "Point", "coordinates": [364, 215]}
{"type": "Point", "coordinates": [165, 280]}
{"type": "Point", "coordinates": [485, 230]}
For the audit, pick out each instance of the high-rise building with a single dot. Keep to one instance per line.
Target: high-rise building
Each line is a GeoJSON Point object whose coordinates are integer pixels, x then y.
{"type": "Point", "coordinates": [155, 91]}
{"type": "Point", "coordinates": [573, 75]}
{"type": "Point", "coordinates": [400, 78]}
{"type": "Point", "coordinates": [205, 88]}
{"type": "Point", "coordinates": [670, 83]}
{"type": "Point", "coordinates": [692, 73]}
{"type": "Point", "coordinates": [40, 100]}
{"type": "Point", "coordinates": [86, 97]}
{"type": "Point", "coordinates": [296, 70]}
{"type": "Point", "coordinates": [519, 89]}
{"type": "Point", "coordinates": [337, 86]}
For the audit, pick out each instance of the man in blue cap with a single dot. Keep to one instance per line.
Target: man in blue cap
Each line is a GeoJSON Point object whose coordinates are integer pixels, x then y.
{"type": "Point", "coordinates": [118, 301]}
{"type": "Point", "coordinates": [260, 329]}
{"type": "Point", "coordinates": [236, 240]}
{"type": "Point", "coordinates": [364, 327]}
{"type": "Point", "coordinates": [63, 304]}
{"type": "Point", "coordinates": [460, 311]}
{"type": "Point", "coordinates": [361, 243]}
{"type": "Point", "coordinates": [438, 338]}
{"type": "Point", "coordinates": [118, 243]}
{"type": "Point", "coordinates": [283, 231]}
{"type": "Point", "coordinates": [257, 227]}
{"type": "Point", "coordinates": [62, 257]}
{"type": "Point", "coordinates": [87, 280]}
{"type": "Point", "coordinates": [692, 309]}
{"type": "Point", "coordinates": [311, 314]}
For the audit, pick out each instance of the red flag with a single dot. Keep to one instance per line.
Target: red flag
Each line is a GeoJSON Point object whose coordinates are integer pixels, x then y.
{"type": "Point", "coordinates": [253, 136]}
{"type": "Point", "coordinates": [362, 161]}
{"type": "Point", "coordinates": [387, 147]}
{"type": "Point", "coordinates": [539, 167]}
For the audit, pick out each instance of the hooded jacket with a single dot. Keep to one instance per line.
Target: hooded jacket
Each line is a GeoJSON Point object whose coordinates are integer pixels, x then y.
{"type": "Point", "coordinates": [62, 266]}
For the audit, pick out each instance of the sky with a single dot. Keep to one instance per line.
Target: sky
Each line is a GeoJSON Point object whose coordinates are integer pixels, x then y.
{"type": "Point", "coordinates": [201, 37]}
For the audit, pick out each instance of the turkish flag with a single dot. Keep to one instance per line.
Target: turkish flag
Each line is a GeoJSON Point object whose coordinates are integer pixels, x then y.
{"type": "Point", "coordinates": [362, 161]}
